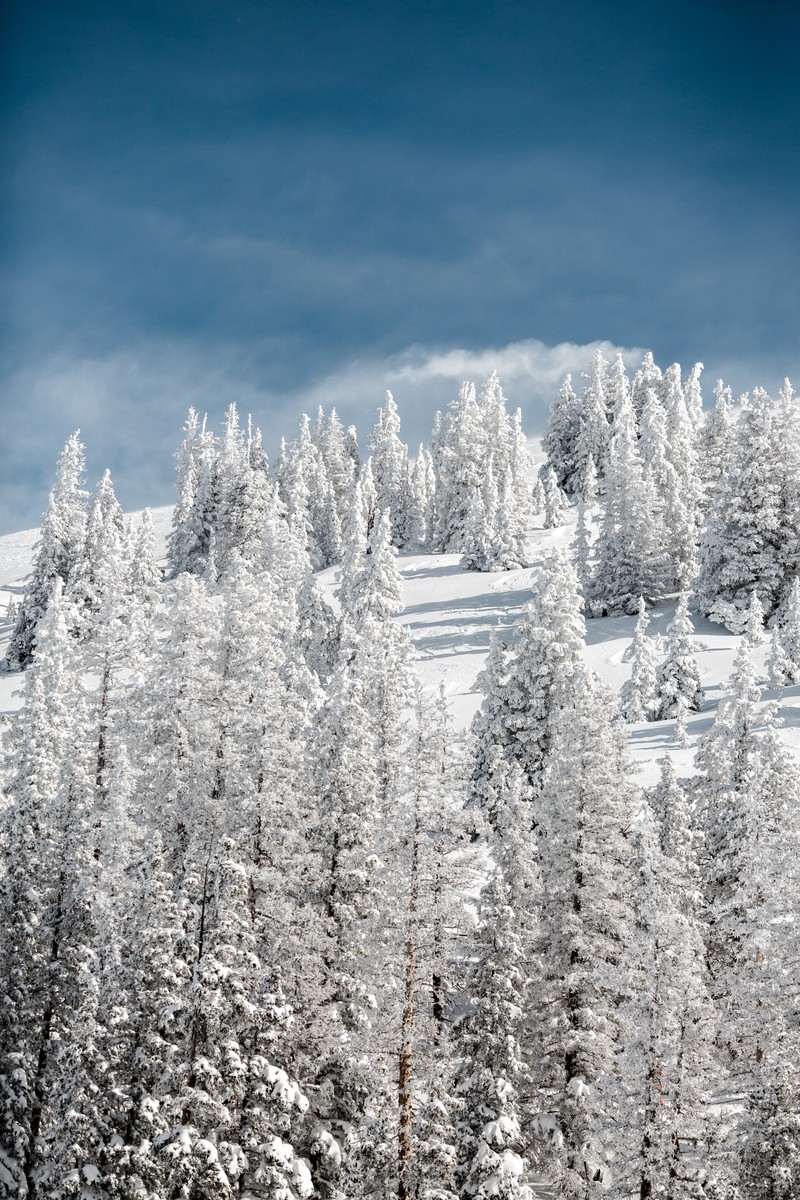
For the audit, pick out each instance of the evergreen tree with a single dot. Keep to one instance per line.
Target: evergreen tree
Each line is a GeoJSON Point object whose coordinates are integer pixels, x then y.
{"type": "Point", "coordinates": [749, 815]}
{"type": "Point", "coordinates": [423, 497]}
{"type": "Point", "coordinates": [639, 695]}
{"type": "Point", "coordinates": [751, 534]}
{"type": "Point", "coordinates": [629, 556]}
{"type": "Point", "coordinates": [586, 806]}
{"type": "Point", "coordinates": [478, 536]}
{"type": "Point", "coordinates": [57, 553]}
{"type": "Point", "coordinates": [693, 397]}
{"type": "Point", "coordinates": [459, 470]}
{"type": "Point", "coordinates": [489, 1135]}
{"type": "Point", "coordinates": [678, 674]}
{"type": "Point", "coordinates": [193, 515]}
{"type": "Point", "coordinates": [684, 493]}
{"type": "Point", "coordinates": [97, 584]}
{"type": "Point", "coordinates": [667, 1067]}
{"type": "Point", "coordinates": [523, 690]}
{"type": "Point", "coordinates": [593, 437]}
{"type": "Point", "coordinates": [715, 440]}
{"type": "Point", "coordinates": [647, 378]}
{"type": "Point", "coordinates": [340, 466]}
{"type": "Point", "coordinates": [561, 435]}
{"type": "Point", "coordinates": [555, 502]}
{"type": "Point", "coordinates": [507, 550]}
{"type": "Point", "coordinates": [770, 1165]}
{"type": "Point", "coordinates": [391, 472]}
{"type": "Point", "coordinates": [784, 660]}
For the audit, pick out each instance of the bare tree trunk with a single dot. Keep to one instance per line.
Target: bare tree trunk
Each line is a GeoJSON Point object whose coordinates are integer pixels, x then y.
{"type": "Point", "coordinates": [405, 1079]}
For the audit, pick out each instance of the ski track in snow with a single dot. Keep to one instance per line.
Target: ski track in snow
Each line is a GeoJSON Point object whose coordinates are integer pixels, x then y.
{"type": "Point", "coordinates": [450, 615]}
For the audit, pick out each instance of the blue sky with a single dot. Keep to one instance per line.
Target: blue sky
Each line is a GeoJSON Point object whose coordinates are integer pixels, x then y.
{"type": "Point", "coordinates": [278, 203]}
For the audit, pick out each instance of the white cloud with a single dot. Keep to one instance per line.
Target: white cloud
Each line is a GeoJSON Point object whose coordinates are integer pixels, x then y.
{"type": "Point", "coordinates": [424, 379]}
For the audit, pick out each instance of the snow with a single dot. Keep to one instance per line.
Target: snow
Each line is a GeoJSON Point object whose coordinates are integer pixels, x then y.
{"type": "Point", "coordinates": [450, 614]}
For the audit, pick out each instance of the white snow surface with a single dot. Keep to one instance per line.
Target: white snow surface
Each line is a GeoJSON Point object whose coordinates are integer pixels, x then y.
{"type": "Point", "coordinates": [450, 614]}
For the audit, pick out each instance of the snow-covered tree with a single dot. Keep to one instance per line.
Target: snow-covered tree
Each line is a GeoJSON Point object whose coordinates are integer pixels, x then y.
{"type": "Point", "coordinates": [678, 674]}
{"type": "Point", "coordinates": [555, 502]}
{"type": "Point", "coordinates": [591, 444]}
{"type": "Point", "coordinates": [783, 662]}
{"type": "Point", "coordinates": [647, 378]}
{"type": "Point", "coordinates": [629, 553]}
{"type": "Point", "coordinates": [58, 550]}
{"type": "Point", "coordinates": [586, 807]}
{"type": "Point", "coordinates": [667, 1067]}
{"type": "Point", "coordinates": [423, 497]}
{"type": "Point", "coordinates": [478, 535]}
{"type": "Point", "coordinates": [715, 440]}
{"type": "Point", "coordinates": [490, 1160]}
{"type": "Point", "coordinates": [561, 435]}
{"type": "Point", "coordinates": [525, 688]}
{"type": "Point", "coordinates": [193, 515]}
{"type": "Point", "coordinates": [751, 835]}
{"type": "Point", "coordinates": [459, 470]}
{"type": "Point", "coordinates": [639, 695]}
{"type": "Point", "coordinates": [390, 472]}
{"type": "Point", "coordinates": [752, 530]}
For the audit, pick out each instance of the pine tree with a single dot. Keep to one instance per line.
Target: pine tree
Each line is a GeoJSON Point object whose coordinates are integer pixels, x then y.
{"type": "Point", "coordinates": [784, 661]}
{"type": "Point", "coordinates": [423, 497]}
{"type": "Point", "coordinates": [751, 535]}
{"type": "Point", "coordinates": [749, 816]}
{"type": "Point", "coordinates": [459, 470]}
{"type": "Point", "coordinates": [629, 556]}
{"type": "Point", "coordinates": [647, 378]}
{"type": "Point", "coordinates": [426, 1154]}
{"type": "Point", "coordinates": [519, 481]}
{"type": "Point", "coordinates": [229, 481]}
{"type": "Point", "coordinates": [97, 584]}
{"type": "Point", "coordinates": [684, 493]}
{"type": "Point", "coordinates": [693, 396]}
{"type": "Point", "coordinates": [754, 627]}
{"type": "Point", "coordinates": [639, 695]}
{"type": "Point", "coordinates": [391, 472]}
{"type": "Point", "coordinates": [30, 896]}
{"type": "Point", "coordinates": [555, 502]}
{"type": "Point", "coordinates": [193, 515]}
{"type": "Point", "coordinates": [593, 437]}
{"type": "Point", "coordinates": [561, 435]}
{"type": "Point", "coordinates": [340, 466]}
{"type": "Point", "coordinates": [715, 441]}
{"type": "Point", "coordinates": [478, 536]}
{"type": "Point", "coordinates": [48, 1086]}
{"type": "Point", "coordinates": [583, 551]}
{"type": "Point", "coordinates": [57, 553]}
{"type": "Point", "coordinates": [586, 806]}
{"type": "Point", "coordinates": [666, 1064]}
{"type": "Point", "coordinates": [524, 690]}
{"type": "Point", "coordinates": [489, 1135]}
{"type": "Point", "coordinates": [770, 1165]}
{"type": "Point", "coordinates": [678, 674]}
{"type": "Point", "coordinates": [230, 1107]}
{"type": "Point", "coordinates": [507, 550]}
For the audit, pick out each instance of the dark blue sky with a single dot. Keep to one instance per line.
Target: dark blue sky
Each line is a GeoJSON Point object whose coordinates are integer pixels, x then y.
{"type": "Point", "coordinates": [212, 201]}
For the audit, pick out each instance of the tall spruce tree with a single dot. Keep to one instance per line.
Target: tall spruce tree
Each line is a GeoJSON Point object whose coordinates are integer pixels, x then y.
{"type": "Point", "coordinates": [58, 551]}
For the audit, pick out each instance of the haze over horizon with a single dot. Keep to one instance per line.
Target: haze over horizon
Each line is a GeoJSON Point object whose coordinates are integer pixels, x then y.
{"type": "Point", "coordinates": [289, 204]}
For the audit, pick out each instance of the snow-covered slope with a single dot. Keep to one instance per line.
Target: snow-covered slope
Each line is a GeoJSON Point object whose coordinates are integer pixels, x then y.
{"type": "Point", "coordinates": [450, 614]}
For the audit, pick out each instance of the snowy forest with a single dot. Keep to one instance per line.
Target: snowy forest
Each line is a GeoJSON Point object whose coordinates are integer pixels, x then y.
{"type": "Point", "coordinates": [282, 917]}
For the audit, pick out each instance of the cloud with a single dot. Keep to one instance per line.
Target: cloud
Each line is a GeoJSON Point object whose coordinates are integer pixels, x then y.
{"type": "Point", "coordinates": [423, 379]}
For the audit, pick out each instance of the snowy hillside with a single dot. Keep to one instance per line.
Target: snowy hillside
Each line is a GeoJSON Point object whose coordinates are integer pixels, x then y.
{"type": "Point", "coordinates": [450, 614]}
